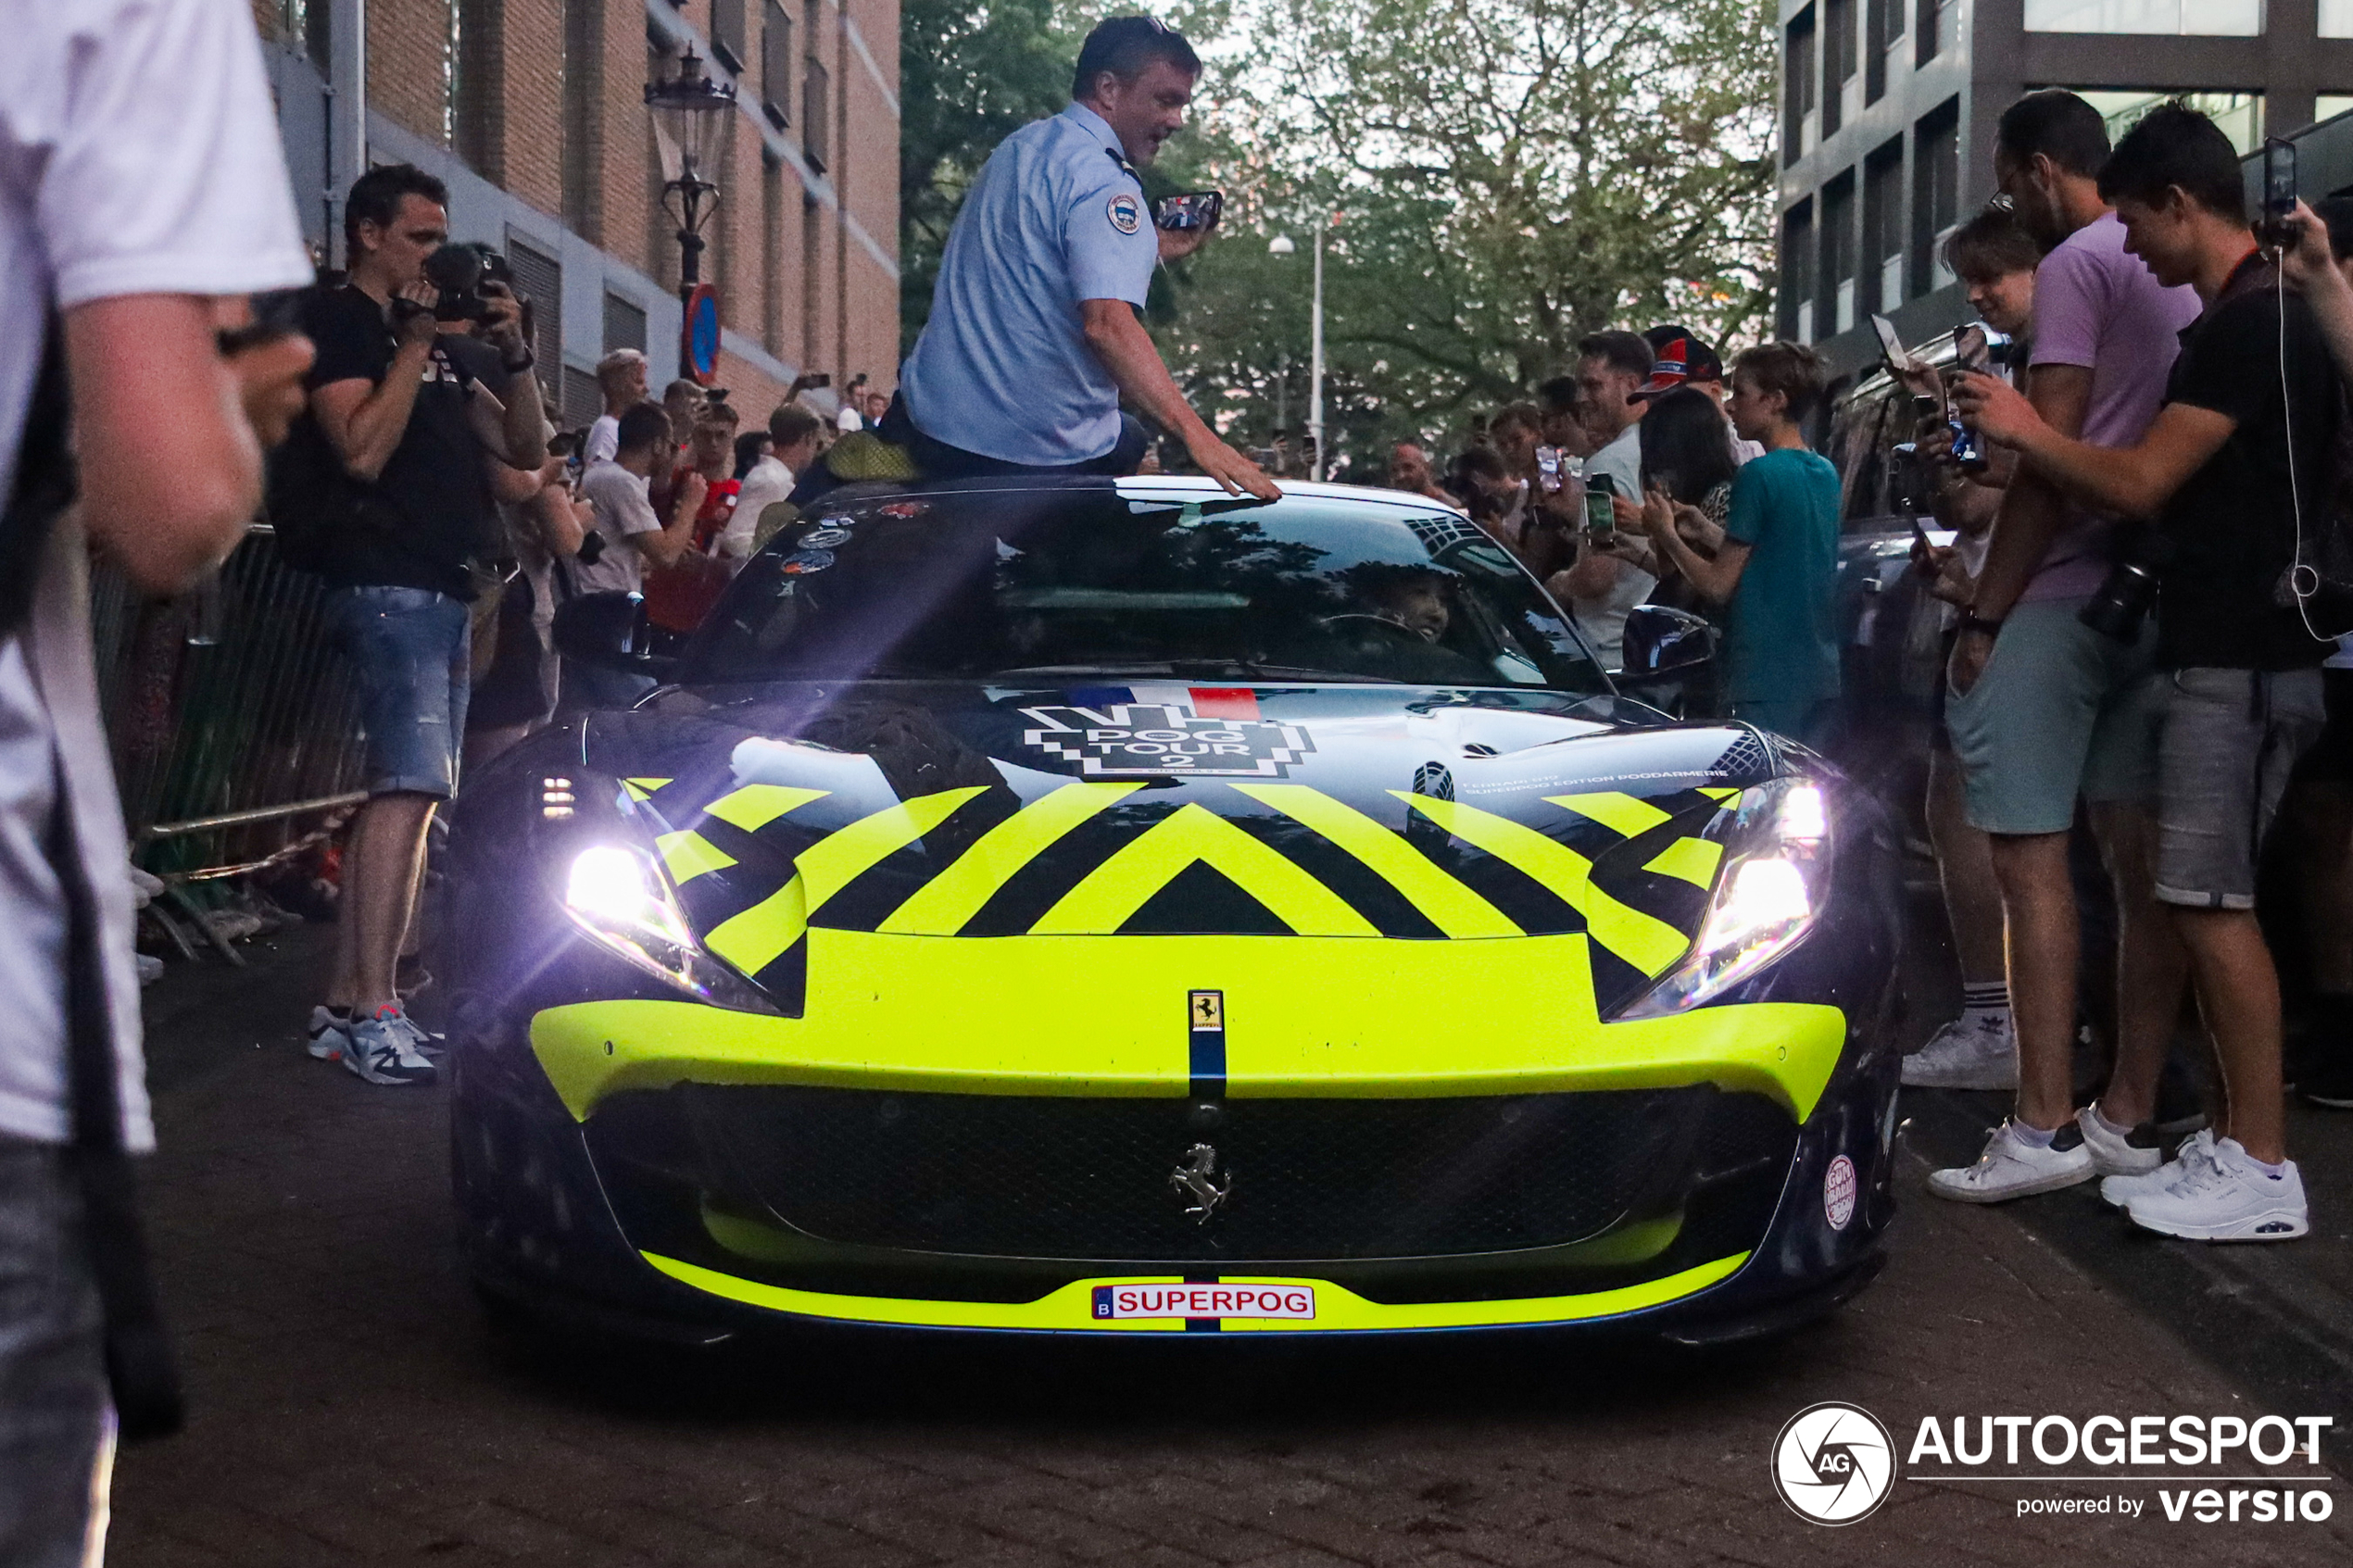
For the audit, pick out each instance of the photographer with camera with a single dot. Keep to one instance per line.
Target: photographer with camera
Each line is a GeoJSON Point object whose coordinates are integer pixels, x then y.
{"type": "Point", "coordinates": [2235, 462]}
{"type": "Point", "coordinates": [410, 352]}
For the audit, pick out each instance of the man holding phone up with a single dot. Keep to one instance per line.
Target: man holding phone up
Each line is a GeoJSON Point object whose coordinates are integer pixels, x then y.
{"type": "Point", "coordinates": [1034, 336]}
{"type": "Point", "coordinates": [2238, 455]}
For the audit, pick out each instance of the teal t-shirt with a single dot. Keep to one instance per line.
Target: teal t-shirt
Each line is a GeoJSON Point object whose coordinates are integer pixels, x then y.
{"type": "Point", "coordinates": [1780, 640]}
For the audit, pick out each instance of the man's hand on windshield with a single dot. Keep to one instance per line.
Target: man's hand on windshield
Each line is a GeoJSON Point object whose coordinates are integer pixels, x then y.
{"type": "Point", "coordinates": [1229, 468]}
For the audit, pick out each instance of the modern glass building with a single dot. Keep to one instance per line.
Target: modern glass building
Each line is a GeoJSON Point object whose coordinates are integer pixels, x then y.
{"type": "Point", "coordinates": [1888, 109]}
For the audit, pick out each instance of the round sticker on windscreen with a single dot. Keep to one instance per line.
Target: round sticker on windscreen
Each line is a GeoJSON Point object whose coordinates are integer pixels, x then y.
{"type": "Point", "coordinates": [800, 563]}
{"type": "Point", "coordinates": [825, 538]}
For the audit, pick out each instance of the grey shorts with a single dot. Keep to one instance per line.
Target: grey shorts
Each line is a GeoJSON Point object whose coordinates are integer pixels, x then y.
{"type": "Point", "coordinates": [2061, 710]}
{"type": "Point", "coordinates": [2231, 738]}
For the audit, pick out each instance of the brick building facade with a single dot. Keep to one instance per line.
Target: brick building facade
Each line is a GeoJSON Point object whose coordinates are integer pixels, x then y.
{"type": "Point", "coordinates": [534, 112]}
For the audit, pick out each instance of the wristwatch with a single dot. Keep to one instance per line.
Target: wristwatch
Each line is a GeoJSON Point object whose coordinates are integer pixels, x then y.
{"type": "Point", "coordinates": [515, 368]}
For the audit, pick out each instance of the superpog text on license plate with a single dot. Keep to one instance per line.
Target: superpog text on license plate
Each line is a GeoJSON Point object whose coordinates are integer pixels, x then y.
{"type": "Point", "coordinates": [1121, 1301]}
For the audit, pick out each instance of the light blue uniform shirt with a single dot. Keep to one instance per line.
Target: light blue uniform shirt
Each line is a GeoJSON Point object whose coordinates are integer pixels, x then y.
{"type": "Point", "coordinates": [1003, 368]}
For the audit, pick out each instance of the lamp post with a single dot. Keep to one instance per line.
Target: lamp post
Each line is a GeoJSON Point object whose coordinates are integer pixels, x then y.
{"type": "Point", "coordinates": [1281, 245]}
{"type": "Point", "coordinates": [691, 114]}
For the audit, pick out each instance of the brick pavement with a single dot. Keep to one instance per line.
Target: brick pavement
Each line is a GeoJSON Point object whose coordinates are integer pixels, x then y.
{"type": "Point", "coordinates": [350, 1406]}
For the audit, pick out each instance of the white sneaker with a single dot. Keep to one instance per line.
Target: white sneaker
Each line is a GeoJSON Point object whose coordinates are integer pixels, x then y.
{"type": "Point", "coordinates": [2194, 1151]}
{"type": "Point", "coordinates": [381, 1052]}
{"type": "Point", "coordinates": [2114, 1154]}
{"type": "Point", "coordinates": [2227, 1197]}
{"type": "Point", "coordinates": [330, 1034]}
{"type": "Point", "coordinates": [2010, 1167]}
{"type": "Point", "coordinates": [1966, 1055]}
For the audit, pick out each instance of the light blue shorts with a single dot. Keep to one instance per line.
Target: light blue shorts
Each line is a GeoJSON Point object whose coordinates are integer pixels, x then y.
{"type": "Point", "coordinates": [411, 648]}
{"type": "Point", "coordinates": [2061, 710]}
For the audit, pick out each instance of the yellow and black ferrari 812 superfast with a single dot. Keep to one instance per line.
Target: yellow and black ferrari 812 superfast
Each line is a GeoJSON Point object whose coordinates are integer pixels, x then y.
{"type": "Point", "coordinates": [1111, 907]}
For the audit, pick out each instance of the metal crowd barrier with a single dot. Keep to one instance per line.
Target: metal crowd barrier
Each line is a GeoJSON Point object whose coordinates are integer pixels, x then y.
{"type": "Point", "coordinates": [234, 721]}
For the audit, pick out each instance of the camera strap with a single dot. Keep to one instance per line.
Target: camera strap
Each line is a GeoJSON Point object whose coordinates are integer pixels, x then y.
{"type": "Point", "coordinates": [46, 481]}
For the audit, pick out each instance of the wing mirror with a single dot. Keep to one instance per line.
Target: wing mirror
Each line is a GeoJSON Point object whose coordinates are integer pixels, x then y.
{"type": "Point", "coordinates": [609, 631]}
{"type": "Point", "coordinates": [1660, 641]}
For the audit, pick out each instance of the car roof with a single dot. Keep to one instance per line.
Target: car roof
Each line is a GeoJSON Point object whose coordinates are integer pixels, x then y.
{"type": "Point", "coordinates": [1152, 484]}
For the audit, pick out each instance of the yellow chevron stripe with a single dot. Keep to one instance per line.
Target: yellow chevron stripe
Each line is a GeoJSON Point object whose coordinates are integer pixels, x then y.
{"type": "Point", "coordinates": [757, 937]}
{"type": "Point", "coordinates": [1620, 813]}
{"type": "Point", "coordinates": [688, 855]}
{"type": "Point", "coordinates": [1114, 891]}
{"type": "Point", "coordinates": [1649, 945]}
{"type": "Point", "coordinates": [755, 806]}
{"type": "Point", "coordinates": [942, 906]}
{"type": "Point", "coordinates": [1692, 859]}
{"type": "Point", "coordinates": [1453, 908]}
{"type": "Point", "coordinates": [1721, 796]}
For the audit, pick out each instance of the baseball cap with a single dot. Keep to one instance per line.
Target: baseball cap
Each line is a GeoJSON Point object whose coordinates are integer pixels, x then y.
{"type": "Point", "coordinates": [1683, 355]}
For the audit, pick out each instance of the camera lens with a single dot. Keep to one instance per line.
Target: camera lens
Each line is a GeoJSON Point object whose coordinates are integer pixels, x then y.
{"type": "Point", "coordinates": [454, 268]}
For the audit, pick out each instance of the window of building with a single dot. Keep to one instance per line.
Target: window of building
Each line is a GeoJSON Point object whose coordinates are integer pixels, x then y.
{"type": "Point", "coordinates": [1801, 128]}
{"type": "Point", "coordinates": [816, 101]}
{"type": "Point", "coordinates": [1838, 63]}
{"type": "Point", "coordinates": [2194, 18]}
{"type": "Point", "coordinates": [1883, 227]}
{"type": "Point", "coordinates": [539, 277]}
{"type": "Point", "coordinates": [727, 38]}
{"type": "Point", "coordinates": [771, 255]}
{"type": "Point", "coordinates": [1936, 193]}
{"type": "Point", "coordinates": [2328, 106]}
{"type": "Point", "coordinates": [1936, 30]}
{"type": "Point", "coordinates": [583, 399]}
{"type": "Point", "coordinates": [1886, 21]}
{"type": "Point", "coordinates": [478, 86]}
{"type": "Point", "coordinates": [2239, 114]}
{"type": "Point", "coordinates": [1797, 273]}
{"type": "Point", "coordinates": [2336, 21]}
{"type": "Point", "coordinates": [775, 64]}
{"type": "Point", "coordinates": [1837, 248]}
{"type": "Point", "coordinates": [624, 324]}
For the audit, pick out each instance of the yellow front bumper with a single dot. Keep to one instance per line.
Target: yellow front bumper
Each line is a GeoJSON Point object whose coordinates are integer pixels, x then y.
{"type": "Point", "coordinates": [1304, 1017]}
{"type": "Point", "coordinates": [1337, 1310]}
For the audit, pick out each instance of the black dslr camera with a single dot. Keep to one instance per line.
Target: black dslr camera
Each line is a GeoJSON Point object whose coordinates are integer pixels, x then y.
{"type": "Point", "coordinates": [459, 270]}
{"type": "Point", "coordinates": [2129, 594]}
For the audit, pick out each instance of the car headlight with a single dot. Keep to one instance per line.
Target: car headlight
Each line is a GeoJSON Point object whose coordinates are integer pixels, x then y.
{"type": "Point", "coordinates": [619, 897]}
{"type": "Point", "coordinates": [1775, 876]}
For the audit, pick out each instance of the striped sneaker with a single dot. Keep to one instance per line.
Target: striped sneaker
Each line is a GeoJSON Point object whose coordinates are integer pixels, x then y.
{"type": "Point", "coordinates": [329, 1032]}
{"type": "Point", "coordinates": [381, 1051]}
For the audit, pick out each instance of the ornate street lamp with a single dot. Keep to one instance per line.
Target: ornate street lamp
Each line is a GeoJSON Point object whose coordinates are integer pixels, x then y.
{"type": "Point", "coordinates": [691, 114]}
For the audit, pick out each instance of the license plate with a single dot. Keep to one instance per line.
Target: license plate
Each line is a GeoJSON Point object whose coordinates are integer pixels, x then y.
{"type": "Point", "coordinates": [1119, 1302]}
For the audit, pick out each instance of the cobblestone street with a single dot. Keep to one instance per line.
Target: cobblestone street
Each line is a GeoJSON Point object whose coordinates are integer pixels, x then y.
{"type": "Point", "coordinates": [351, 1406]}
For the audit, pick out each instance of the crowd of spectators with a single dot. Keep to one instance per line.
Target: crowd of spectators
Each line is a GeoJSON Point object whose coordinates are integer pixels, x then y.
{"type": "Point", "coordinates": [1715, 506]}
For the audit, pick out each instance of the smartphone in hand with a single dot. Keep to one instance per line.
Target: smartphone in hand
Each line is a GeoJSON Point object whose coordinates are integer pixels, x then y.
{"type": "Point", "coordinates": [1601, 516]}
{"type": "Point", "coordinates": [1190, 209]}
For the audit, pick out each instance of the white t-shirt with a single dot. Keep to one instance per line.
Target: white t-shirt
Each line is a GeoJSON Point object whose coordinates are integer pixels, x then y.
{"type": "Point", "coordinates": [624, 507]}
{"type": "Point", "coordinates": [1602, 620]}
{"type": "Point", "coordinates": [604, 440]}
{"type": "Point", "coordinates": [847, 420]}
{"type": "Point", "coordinates": [768, 483]}
{"type": "Point", "coordinates": [137, 156]}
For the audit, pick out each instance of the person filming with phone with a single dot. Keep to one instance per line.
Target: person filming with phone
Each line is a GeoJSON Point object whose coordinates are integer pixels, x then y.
{"type": "Point", "coordinates": [1034, 336]}
{"type": "Point", "coordinates": [2231, 472]}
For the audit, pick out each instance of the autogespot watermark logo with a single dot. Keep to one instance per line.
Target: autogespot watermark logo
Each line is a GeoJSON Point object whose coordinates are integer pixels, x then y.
{"type": "Point", "coordinates": [1833, 1464]}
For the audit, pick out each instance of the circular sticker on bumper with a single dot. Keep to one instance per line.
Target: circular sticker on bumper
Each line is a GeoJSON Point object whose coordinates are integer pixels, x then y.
{"type": "Point", "coordinates": [800, 563]}
{"type": "Point", "coordinates": [825, 538]}
{"type": "Point", "coordinates": [1838, 1193]}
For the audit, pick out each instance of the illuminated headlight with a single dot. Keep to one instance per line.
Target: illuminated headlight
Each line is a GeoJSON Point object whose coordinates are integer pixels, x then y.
{"type": "Point", "coordinates": [1775, 876]}
{"type": "Point", "coordinates": [619, 897]}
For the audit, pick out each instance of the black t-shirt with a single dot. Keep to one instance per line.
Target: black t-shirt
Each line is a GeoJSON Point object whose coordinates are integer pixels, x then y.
{"type": "Point", "coordinates": [2233, 524]}
{"type": "Point", "coordinates": [430, 511]}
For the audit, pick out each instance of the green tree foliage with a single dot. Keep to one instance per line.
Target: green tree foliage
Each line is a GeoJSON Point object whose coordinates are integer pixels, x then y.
{"type": "Point", "coordinates": [1500, 176]}
{"type": "Point", "coordinates": [969, 77]}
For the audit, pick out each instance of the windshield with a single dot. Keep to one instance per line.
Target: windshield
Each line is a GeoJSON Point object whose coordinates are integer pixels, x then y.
{"type": "Point", "coordinates": [1071, 583]}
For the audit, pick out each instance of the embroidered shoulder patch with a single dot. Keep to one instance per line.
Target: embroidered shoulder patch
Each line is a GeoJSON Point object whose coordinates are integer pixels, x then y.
{"type": "Point", "coordinates": [1126, 213]}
